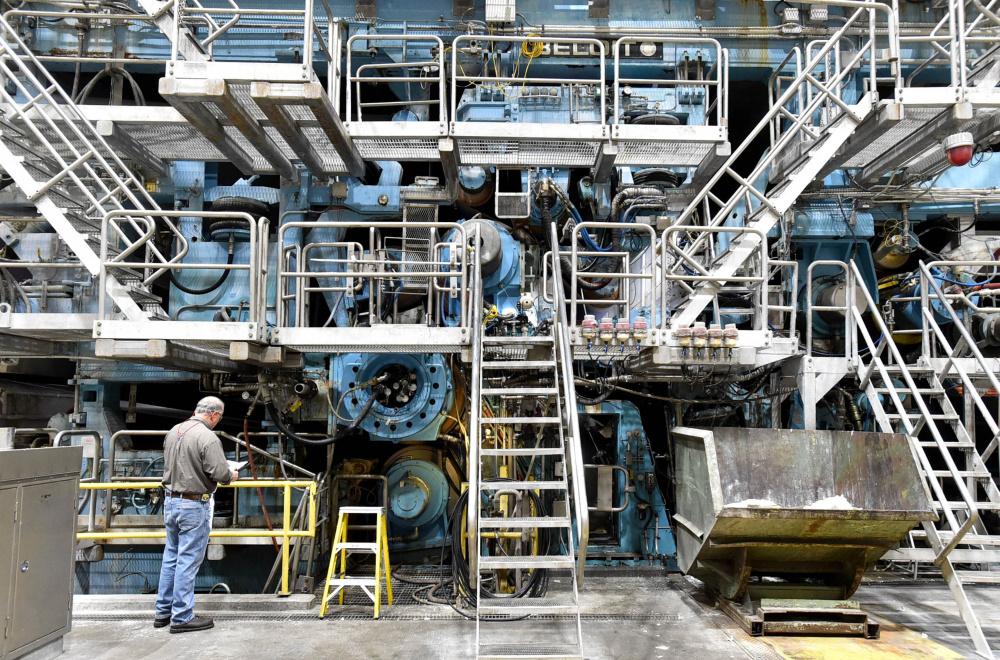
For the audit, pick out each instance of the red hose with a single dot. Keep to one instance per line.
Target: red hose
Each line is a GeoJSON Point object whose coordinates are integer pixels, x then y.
{"type": "Point", "coordinates": [253, 471]}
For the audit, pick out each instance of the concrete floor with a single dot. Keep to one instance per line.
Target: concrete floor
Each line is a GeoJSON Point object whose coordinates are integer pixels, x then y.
{"type": "Point", "coordinates": [638, 616]}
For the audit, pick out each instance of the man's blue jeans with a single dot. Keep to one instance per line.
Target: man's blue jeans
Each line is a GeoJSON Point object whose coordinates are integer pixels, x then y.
{"type": "Point", "coordinates": [188, 524]}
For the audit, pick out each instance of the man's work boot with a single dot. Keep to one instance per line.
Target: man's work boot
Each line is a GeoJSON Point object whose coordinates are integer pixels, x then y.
{"type": "Point", "coordinates": [161, 623]}
{"type": "Point", "coordinates": [197, 623]}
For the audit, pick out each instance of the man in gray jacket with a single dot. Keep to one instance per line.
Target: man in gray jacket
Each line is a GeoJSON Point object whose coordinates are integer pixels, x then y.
{"type": "Point", "coordinates": [193, 466]}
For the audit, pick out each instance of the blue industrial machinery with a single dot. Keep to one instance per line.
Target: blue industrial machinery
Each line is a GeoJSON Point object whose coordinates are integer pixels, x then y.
{"type": "Point", "coordinates": [413, 393]}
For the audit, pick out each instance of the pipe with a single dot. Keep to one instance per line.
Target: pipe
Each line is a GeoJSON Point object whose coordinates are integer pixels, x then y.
{"type": "Point", "coordinates": [260, 493]}
{"type": "Point", "coordinates": [213, 287]}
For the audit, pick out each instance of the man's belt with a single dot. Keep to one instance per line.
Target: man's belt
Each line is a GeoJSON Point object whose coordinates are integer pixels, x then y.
{"type": "Point", "coordinates": [194, 497]}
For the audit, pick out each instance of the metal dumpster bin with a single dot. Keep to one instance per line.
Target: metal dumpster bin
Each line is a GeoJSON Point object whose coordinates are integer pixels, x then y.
{"type": "Point", "coordinates": [792, 513]}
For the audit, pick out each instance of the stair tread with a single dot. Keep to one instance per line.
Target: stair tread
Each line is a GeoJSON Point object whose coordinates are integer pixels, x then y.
{"type": "Point", "coordinates": [539, 339]}
{"type": "Point", "coordinates": [517, 606]}
{"type": "Point", "coordinates": [968, 539]}
{"type": "Point", "coordinates": [967, 474]}
{"type": "Point", "coordinates": [981, 577]}
{"type": "Point", "coordinates": [527, 561]}
{"type": "Point", "coordinates": [524, 485]}
{"type": "Point", "coordinates": [509, 651]}
{"type": "Point", "coordinates": [986, 506]}
{"type": "Point", "coordinates": [520, 391]}
{"type": "Point", "coordinates": [524, 522]}
{"type": "Point", "coordinates": [517, 364]}
{"type": "Point", "coordinates": [362, 509]}
{"type": "Point", "coordinates": [520, 420]}
{"type": "Point", "coordinates": [524, 451]}
{"type": "Point", "coordinates": [353, 581]}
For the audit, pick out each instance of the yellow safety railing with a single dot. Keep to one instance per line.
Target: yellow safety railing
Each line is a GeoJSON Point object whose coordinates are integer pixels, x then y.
{"type": "Point", "coordinates": [285, 533]}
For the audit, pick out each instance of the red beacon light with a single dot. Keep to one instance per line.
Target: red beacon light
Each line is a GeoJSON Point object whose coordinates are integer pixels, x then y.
{"type": "Point", "coordinates": [959, 148]}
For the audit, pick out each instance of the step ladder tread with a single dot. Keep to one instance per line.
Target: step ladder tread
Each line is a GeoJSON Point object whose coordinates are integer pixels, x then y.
{"type": "Point", "coordinates": [355, 545]}
{"type": "Point", "coordinates": [917, 415]}
{"type": "Point", "coordinates": [524, 522]}
{"type": "Point", "coordinates": [353, 581]}
{"type": "Point", "coordinates": [373, 510]}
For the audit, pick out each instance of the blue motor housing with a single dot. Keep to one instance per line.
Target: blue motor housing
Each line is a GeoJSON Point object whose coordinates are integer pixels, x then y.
{"type": "Point", "coordinates": [420, 392]}
{"type": "Point", "coordinates": [501, 267]}
{"type": "Point", "coordinates": [418, 501]}
{"type": "Point", "coordinates": [910, 316]}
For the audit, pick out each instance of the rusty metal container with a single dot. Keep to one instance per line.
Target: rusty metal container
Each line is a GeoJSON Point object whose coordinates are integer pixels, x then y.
{"type": "Point", "coordinates": [810, 510]}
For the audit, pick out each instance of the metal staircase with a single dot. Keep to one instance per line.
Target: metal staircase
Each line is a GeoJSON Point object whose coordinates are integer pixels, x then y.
{"type": "Point", "coordinates": [954, 469]}
{"type": "Point", "coordinates": [529, 487]}
{"type": "Point", "coordinates": [803, 148]}
{"type": "Point", "coordinates": [64, 166]}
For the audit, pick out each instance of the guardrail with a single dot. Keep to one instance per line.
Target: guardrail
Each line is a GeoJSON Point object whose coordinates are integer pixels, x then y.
{"type": "Point", "coordinates": [285, 533]}
{"type": "Point", "coordinates": [717, 75]}
{"type": "Point", "coordinates": [443, 275]}
{"type": "Point", "coordinates": [111, 230]}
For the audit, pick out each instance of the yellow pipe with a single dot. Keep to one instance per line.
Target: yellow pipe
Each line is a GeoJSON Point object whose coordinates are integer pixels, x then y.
{"type": "Point", "coordinates": [135, 485]}
{"type": "Point", "coordinates": [501, 535]}
{"type": "Point", "coordinates": [285, 524]}
{"type": "Point", "coordinates": [285, 533]}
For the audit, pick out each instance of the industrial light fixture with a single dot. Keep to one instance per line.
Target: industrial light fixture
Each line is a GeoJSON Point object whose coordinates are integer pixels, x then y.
{"type": "Point", "coordinates": [959, 148]}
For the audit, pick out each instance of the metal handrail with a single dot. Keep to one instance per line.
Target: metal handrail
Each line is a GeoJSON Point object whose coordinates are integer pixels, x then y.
{"type": "Point", "coordinates": [719, 66]}
{"type": "Point", "coordinates": [626, 277]}
{"type": "Point", "coordinates": [354, 79]}
{"type": "Point", "coordinates": [475, 428]}
{"type": "Point", "coordinates": [574, 465]}
{"type": "Point", "coordinates": [849, 304]}
{"type": "Point", "coordinates": [501, 80]}
{"type": "Point", "coordinates": [372, 266]}
{"type": "Point", "coordinates": [668, 246]}
{"type": "Point", "coordinates": [826, 88]}
{"type": "Point", "coordinates": [258, 233]}
{"type": "Point", "coordinates": [94, 470]}
{"type": "Point", "coordinates": [958, 531]}
{"type": "Point", "coordinates": [285, 533]}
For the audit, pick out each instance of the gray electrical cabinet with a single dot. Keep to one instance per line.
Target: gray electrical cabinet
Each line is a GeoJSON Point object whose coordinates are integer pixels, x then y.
{"type": "Point", "coordinates": [38, 496]}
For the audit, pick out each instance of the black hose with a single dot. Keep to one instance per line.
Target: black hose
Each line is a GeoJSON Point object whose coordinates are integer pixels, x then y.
{"type": "Point", "coordinates": [209, 289]}
{"type": "Point", "coordinates": [272, 412]}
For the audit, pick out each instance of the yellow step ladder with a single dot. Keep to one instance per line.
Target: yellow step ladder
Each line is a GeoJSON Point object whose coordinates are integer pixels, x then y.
{"type": "Point", "coordinates": [336, 577]}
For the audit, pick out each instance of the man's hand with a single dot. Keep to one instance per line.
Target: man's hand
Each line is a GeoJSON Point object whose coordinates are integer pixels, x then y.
{"type": "Point", "coordinates": [236, 476]}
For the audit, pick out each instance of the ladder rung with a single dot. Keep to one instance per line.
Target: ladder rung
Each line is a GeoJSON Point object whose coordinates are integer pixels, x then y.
{"type": "Point", "coordinates": [523, 523]}
{"type": "Point", "coordinates": [520, 420]}
{"type": "Point", "coordinates": [520, 391]}
{"type": "Point", "coordinates": [540, 339]}
{"type": "Point", "coordinates": [524, 451]}
{"type": "Point", "coordinates": [953, 445]}
{"type": "Point", "coordinates": [526, 561]}
{"type": "Point", "coordinates": [517, 364]}
{"type": "Point", "coordinates": [915, 415]}
{"type": "Point", "coordinates": [523, 485]}
{"type": "Point", "coordinates": [980, 577]}
{"type": "Point", "coordinates": [355, 546]}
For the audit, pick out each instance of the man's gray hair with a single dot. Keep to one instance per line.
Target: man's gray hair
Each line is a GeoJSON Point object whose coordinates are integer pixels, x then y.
{"type": "Point", "coordinates": [209, 405]}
